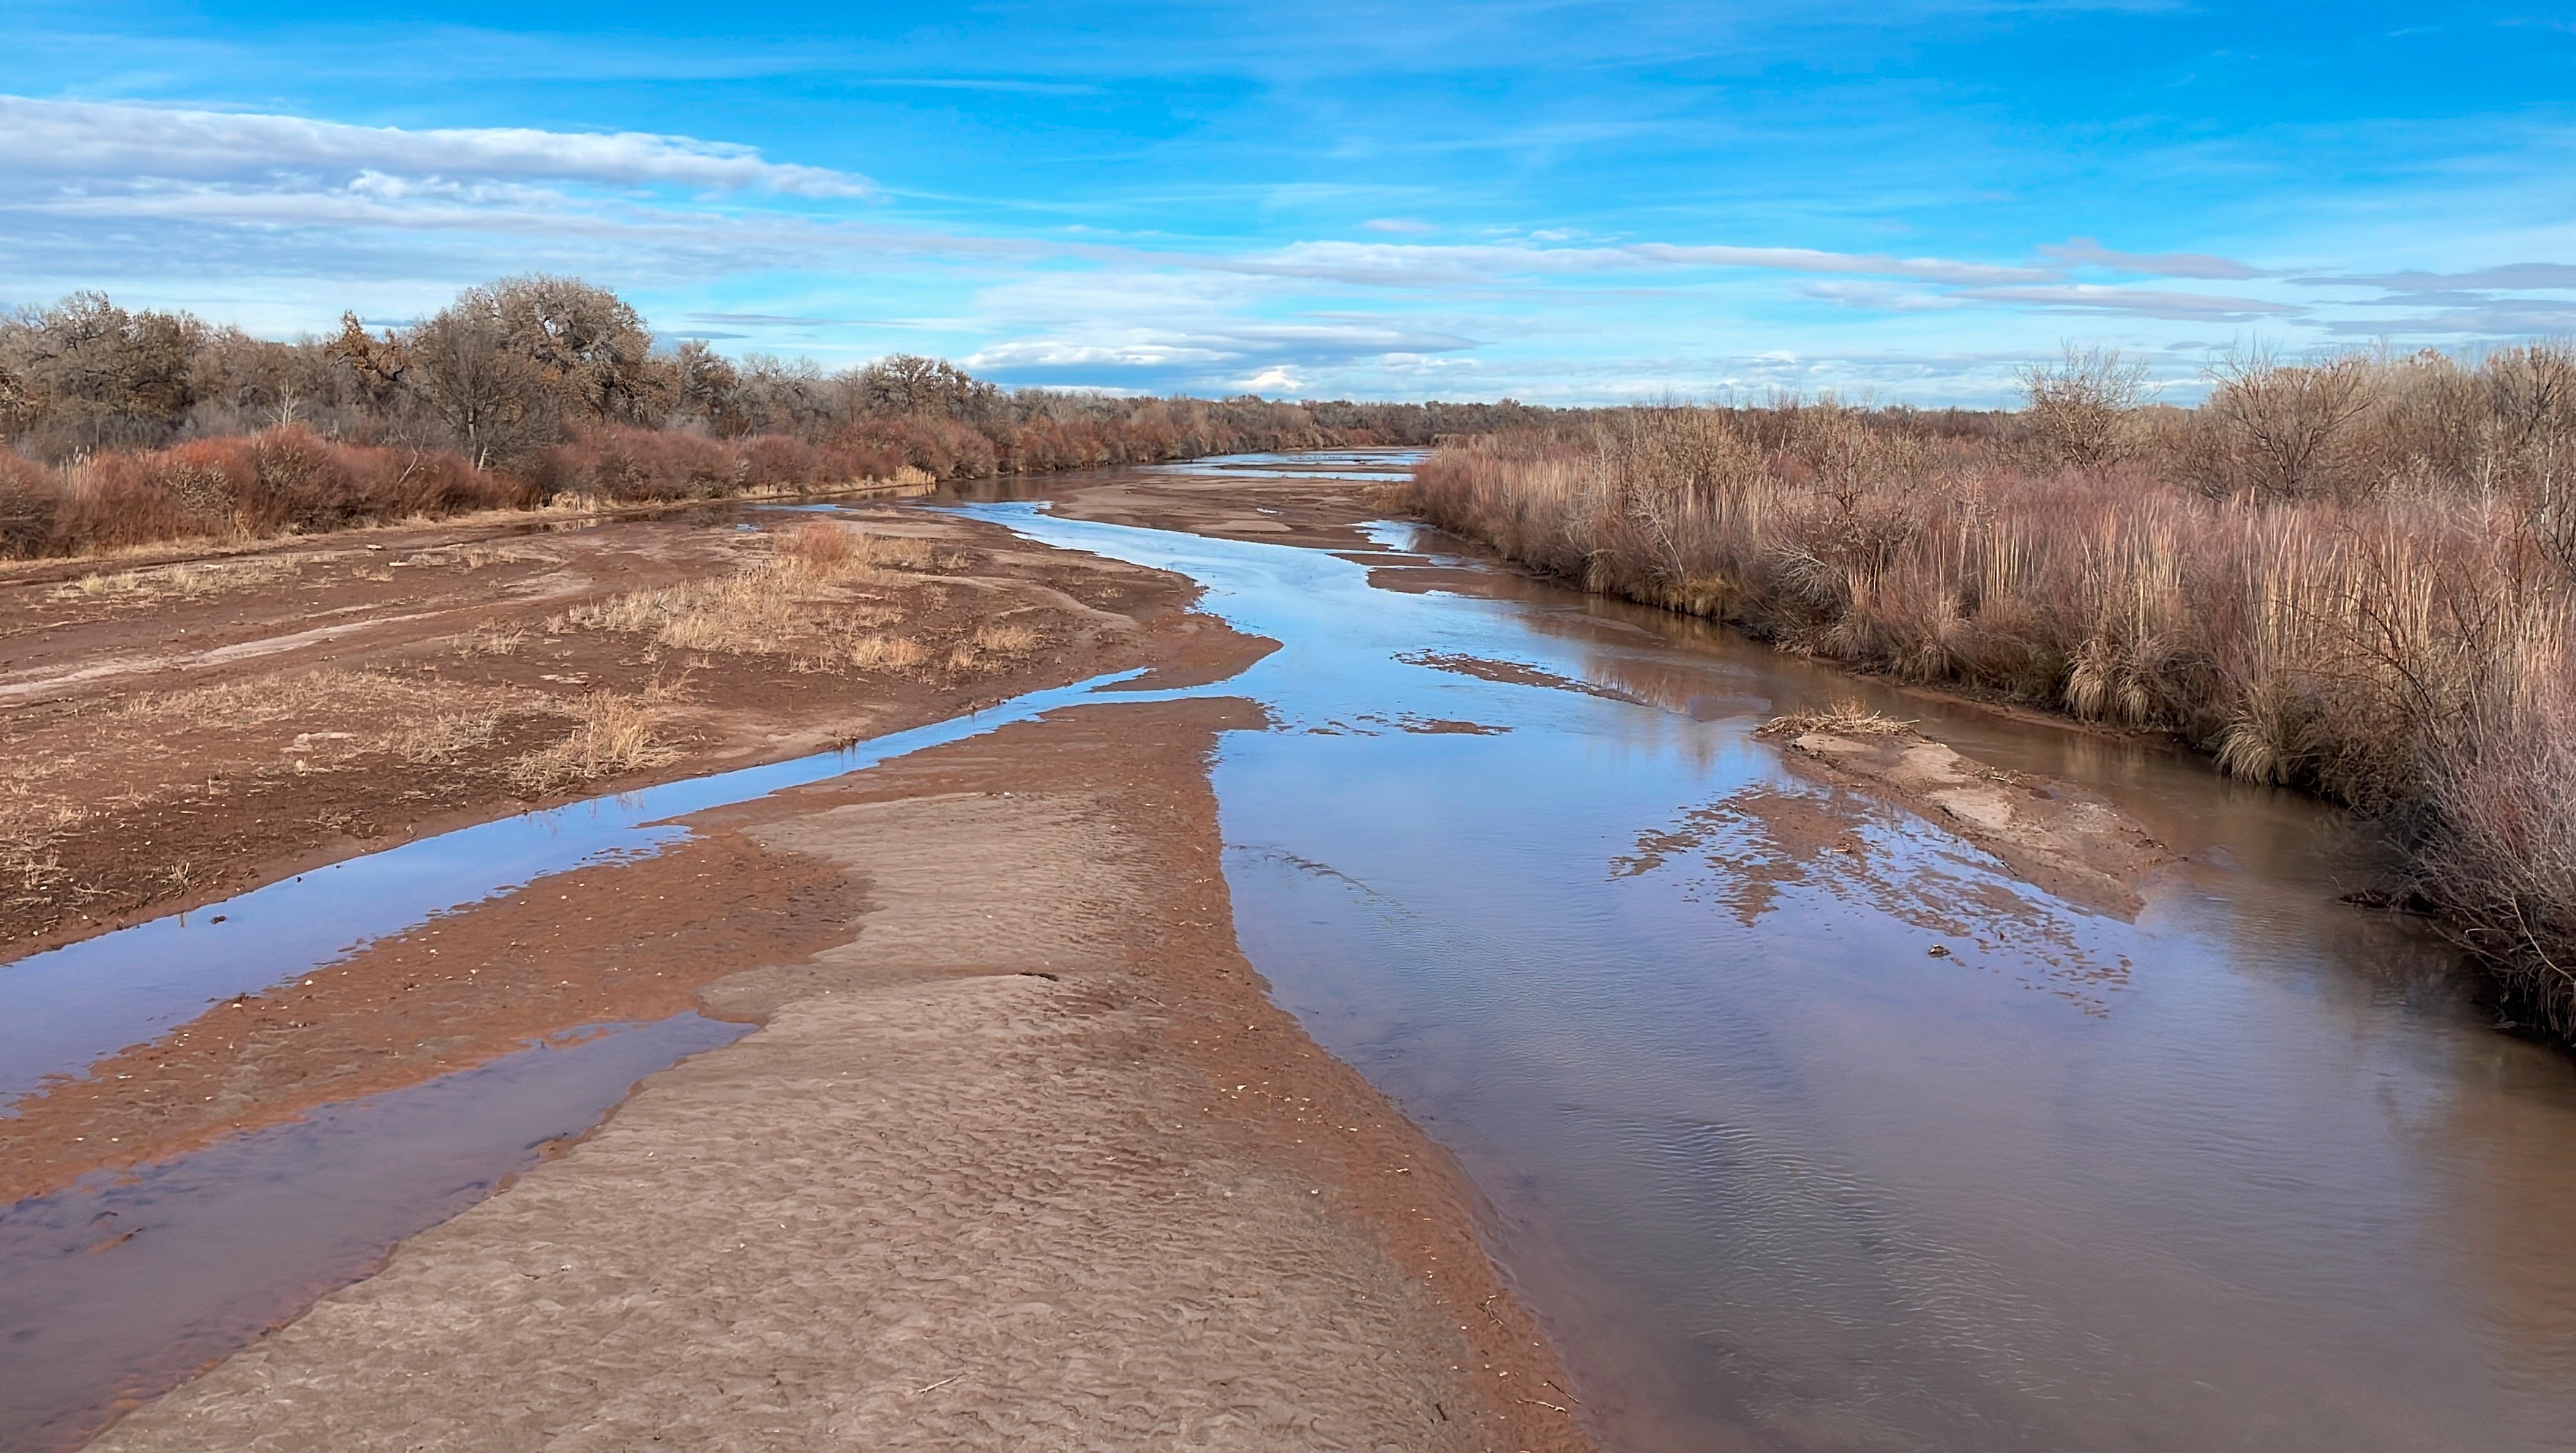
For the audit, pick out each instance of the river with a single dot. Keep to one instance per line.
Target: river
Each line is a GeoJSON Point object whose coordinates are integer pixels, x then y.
{"type": "Point", "coordinates": [2252, 1171]}
{"type": "Point", "coordinates": [2249, 1171]}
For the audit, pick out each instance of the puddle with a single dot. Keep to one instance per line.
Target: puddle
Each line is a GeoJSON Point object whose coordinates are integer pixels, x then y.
{"type": "Point", "coordinates": [117, 1289]}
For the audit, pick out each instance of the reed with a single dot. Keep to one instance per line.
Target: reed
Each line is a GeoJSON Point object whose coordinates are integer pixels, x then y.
{"type": "Point", "coordinates": [2353, 576]}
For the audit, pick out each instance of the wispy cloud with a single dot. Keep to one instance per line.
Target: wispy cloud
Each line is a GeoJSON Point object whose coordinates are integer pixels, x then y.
{"type": "Point", "coordinates": [2500, 318]}
{"type": "Point", "coordinates": [2088, 252]}
{"type": "Point", "coordinates": [127, 145]}
{"type": "Point", "coordinates": [1417, 265]}
{"type": "Point", "coordinates": [1881, 297]}
{"type": "Point", "coordinates": [2511, 277]}
{"type": "Point", "coordinates": [2135, 302]}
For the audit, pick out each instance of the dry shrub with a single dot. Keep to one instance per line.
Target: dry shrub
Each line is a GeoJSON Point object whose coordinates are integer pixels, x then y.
{"type": "Point", "coordinates": [612, 734]}
{"type": "Point", "coordinates": [628, 465]}
{"type": "Point", "coordinates": [1842, 719]}
{"type": "Point", "coordinates": [31, 507]}
{"type": "Point", "coordinates": [283, 481]}
{"type": "Point", "coordinates": [2354, 576]}
{"type": "Point", "coordinates": [876, 652]}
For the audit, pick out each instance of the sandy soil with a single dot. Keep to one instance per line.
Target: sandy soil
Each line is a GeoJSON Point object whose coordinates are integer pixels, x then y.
{"type": "Point", "coordinates": [1289, 511]}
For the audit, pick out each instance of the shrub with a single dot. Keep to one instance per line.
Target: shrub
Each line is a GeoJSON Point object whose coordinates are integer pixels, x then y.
{"type": "Point", "coordinates": [2383, 614]}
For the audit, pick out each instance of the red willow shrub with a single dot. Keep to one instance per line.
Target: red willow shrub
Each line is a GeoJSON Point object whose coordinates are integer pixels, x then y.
{"type": "Point", "coordinates": [284, 481]}
{"type": "Point", "coordinates": [31, 506]}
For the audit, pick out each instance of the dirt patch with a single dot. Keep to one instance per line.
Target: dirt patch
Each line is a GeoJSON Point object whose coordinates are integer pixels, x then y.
{"type": "Point", "coordinates": [183, 731]}
{"type": "Point", "coordinates": [1031, 1161]}
{"type": "Point", "coordinates": [2065, 841]}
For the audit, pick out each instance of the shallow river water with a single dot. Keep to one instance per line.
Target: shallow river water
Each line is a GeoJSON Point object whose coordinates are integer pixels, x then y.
{"type": "Point", "coordinates": [2248, 1172]}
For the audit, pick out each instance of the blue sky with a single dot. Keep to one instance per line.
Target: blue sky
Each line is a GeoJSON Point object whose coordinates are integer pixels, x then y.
{"type": "Point", "coordinates": [1900, 201]}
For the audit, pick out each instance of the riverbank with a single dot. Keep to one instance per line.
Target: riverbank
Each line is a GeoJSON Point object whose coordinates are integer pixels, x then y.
{"type": "Point", "coordinates": [2399, 645]}
{"type": "Point", "coordinates": [1076, 1151]}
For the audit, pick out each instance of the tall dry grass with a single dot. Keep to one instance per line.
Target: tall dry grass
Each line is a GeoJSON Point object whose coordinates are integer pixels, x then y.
{"type": "Point", "coordinates": [2356, 576]}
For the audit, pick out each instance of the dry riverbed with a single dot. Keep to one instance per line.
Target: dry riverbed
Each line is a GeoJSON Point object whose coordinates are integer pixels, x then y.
{"type": "Point", "coordinates": [1021, 1154]}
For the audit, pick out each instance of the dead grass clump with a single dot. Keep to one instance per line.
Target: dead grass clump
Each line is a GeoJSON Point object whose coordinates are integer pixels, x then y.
{"type": "Point", "coordinates": [448, 739]}
{"type": "Point", "coordinates": [492, 638]}
{"type": "Point", "coordinates": [898, 655]}
{"type": "Point", "coordinates": [996, 646]}
{"type": "Point", "coordinates": [806, 601]}
{"type": "Point", "coordinates": [818, 547]}
{"type": "Point", "coordinates": [612, 735]}
{"type": "Point", "coordinates": [901, 552]}
{"type": "Point", "coordinates": [1842, 719]}
{"type": "Point", "coordinates": [192, 580]}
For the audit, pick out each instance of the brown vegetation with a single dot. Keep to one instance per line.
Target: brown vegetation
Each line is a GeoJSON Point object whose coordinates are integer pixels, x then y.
{"type": "Point", "coordinates": [2354, 576]}
{"type": "Point", "coordinates": [122, 428]}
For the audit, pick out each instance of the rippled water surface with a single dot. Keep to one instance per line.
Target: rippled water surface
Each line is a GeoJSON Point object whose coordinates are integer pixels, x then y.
{"type": "Point", "coordinates": [2248, 1172]}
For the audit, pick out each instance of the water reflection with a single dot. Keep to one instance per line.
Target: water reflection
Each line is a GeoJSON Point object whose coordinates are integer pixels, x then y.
{"type": "Point", "coordinates": [2249, 1172]}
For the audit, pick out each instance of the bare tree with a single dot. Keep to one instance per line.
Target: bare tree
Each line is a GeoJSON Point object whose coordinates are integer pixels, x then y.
{"type": "Point", "coordinates": [492, 400]}
{"type": "Point", "coordinates": [2283, 425]}
{"type": "Point", "coordinates": [2082, 405]}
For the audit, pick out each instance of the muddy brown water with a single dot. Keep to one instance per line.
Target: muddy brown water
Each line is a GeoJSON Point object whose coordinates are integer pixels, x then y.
{"type": "Point", "coordinates": [2252, 1171]}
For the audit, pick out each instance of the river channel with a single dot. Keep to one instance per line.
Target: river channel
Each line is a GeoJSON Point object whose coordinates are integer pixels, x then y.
{"type": "Point", "coordinates": [2251, 1170]}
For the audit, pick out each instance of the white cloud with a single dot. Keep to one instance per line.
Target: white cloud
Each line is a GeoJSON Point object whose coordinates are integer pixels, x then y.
{"type": "Point", "coordinates": [123, 144]}
{"type": "Point", "coordinates": [2087, 252]}
{"type": "Point", "coordinates": [1277, 379]}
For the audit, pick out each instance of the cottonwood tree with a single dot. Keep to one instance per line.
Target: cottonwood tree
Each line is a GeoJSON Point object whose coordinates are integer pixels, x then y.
{"type": "Point", "coordinates": [590, 345]}
{"type": "Point", "coordinates": [94, 375]}
{"type": "Point", "coordinates": [905, 383]}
